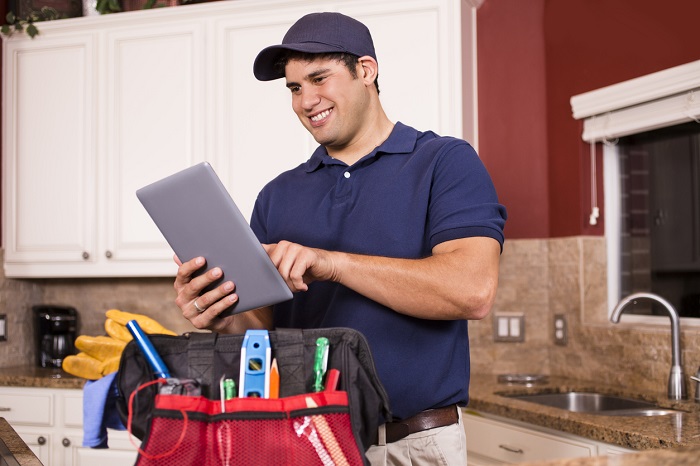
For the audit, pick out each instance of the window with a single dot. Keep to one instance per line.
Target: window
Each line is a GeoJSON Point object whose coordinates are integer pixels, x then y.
{"type": "Point", "coordinates": [659, 217]}
{"type": "Point", "coordinates": [652, 185]}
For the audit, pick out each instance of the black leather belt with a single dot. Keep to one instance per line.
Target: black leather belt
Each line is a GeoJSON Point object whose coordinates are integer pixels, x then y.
{"type": "Point", "coordinates": [424, 420]}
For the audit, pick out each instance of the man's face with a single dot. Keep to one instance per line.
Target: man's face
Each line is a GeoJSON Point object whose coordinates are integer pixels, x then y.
{"type": "Point", "coordinates": [328, 100]}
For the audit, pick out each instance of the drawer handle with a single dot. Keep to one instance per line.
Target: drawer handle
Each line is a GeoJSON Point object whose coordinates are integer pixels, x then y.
{"type": "Point", "coordinates": [511, 449]}
{"type": "Point", "coordinates": [41, 440]}
{"type": "Point", "coordinates": [2, 408]}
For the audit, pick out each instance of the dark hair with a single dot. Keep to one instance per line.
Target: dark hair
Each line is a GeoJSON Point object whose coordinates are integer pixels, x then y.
{"type": "Point", "coordinates": [350, 61]}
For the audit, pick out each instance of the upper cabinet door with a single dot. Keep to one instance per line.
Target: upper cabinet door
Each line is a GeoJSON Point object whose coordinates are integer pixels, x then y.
{"type": "Point", "coordinates": [49, 160]}
{"type": "Point", "coordinates": [419, 50]}
{"type": "Point", "coordinates": [154, 125]}
{"type": "Point", "coordinates": [258, 135]}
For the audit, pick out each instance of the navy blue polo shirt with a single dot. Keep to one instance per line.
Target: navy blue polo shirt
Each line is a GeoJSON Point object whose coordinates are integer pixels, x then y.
{"type": "Point", "coordinates": [414, 191]}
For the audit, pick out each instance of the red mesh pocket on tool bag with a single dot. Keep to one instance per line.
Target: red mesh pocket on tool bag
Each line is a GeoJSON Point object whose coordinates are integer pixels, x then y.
{"type": "Point", "coordinates": [310, 429]}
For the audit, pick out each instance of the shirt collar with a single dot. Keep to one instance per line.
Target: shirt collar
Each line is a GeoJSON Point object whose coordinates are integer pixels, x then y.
{"type": "Point", "coordinates": [402, 140]}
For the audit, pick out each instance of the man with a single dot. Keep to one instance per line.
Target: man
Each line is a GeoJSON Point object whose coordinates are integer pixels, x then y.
{"type": "Point", "coordinates": [387, 230]}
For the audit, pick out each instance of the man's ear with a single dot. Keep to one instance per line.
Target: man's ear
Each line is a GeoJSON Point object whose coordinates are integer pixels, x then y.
{"type": "Point", "coordinates": [368, 69]}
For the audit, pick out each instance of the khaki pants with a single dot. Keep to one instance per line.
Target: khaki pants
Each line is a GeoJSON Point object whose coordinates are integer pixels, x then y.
{"type": "Point", "coordinates": [442, 446]}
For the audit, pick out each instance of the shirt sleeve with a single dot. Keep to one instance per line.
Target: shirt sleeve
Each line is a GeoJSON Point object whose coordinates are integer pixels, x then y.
{"type": "Point", "coordinates": [463, 201]}
{"type": "Point", "coordinates": [257, 219]}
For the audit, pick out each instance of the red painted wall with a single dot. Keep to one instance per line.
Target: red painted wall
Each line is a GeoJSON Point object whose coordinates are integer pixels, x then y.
{"type": "Point", "coordinates": [512, 110]}
{"type": "Point", "coordinates": [533, 56]}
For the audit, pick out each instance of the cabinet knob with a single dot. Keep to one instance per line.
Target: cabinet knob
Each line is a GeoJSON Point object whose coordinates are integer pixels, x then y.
{"type": "Point", "coordinates": [66, 442]}
{"type": "Point", "coordinates": [108, 254]}
{"type": "Point", "coordinates": [41, 440]}
{"type": "Point", "coordinates": [86, 255]}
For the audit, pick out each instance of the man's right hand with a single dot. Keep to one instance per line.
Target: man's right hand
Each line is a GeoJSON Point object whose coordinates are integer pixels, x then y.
{"type": "Point", "coordinates": [213, 302]}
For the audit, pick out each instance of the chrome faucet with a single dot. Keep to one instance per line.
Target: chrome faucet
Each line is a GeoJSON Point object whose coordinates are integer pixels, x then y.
{"type": "Point", "coordinates": [696, 379]}
{"type": "Point", "coordinates": [676, 379]}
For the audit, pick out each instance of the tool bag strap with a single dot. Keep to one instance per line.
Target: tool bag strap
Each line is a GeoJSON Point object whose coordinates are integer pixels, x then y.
{"type": "Point", "coordinates": [200, 356]}
{"type": "Point", "coordinates": [290, 343]}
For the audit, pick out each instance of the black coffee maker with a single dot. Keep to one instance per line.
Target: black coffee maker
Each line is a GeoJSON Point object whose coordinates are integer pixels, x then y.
{"type": "Point", "coordinates": [55, 331]}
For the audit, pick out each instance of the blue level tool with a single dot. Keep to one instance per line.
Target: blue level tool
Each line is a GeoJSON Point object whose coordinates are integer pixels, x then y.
{"type": "Point", "coordinates": [254, 380]}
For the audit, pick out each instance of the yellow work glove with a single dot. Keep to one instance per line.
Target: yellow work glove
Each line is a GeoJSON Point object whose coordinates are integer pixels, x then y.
{"type": "Point", "coordinates": [117, 331]}
{"type": "Point", "coordinates": [87, 367]}
{"type": "Point", "coordinates": [100, 347]}
{"type": "Point", "coordinates": [147, 324]}
{"type": "Point", "coordinates": [100, 355]}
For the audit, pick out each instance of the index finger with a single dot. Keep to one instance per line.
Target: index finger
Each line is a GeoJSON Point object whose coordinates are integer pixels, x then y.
{"type": "Point", "coordinates": [185, 271]}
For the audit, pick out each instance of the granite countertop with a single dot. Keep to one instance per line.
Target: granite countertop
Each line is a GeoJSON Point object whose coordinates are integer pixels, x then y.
{"type": "Point", "coordinates": [673, 438]}
{"type": "Point", "coordinates": [34, 376]}
{"type": "Point", "coordinates": [22, 453]}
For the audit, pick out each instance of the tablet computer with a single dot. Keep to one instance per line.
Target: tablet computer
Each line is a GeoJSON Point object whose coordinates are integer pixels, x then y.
{"type": "Point", "coordinates": [197, 216]}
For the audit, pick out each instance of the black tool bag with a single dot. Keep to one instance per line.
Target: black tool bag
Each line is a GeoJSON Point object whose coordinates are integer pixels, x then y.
{"type": "Point", "coordinates": [206, 357]}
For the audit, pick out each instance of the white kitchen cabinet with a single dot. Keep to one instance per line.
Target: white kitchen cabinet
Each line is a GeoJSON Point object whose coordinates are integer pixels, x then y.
{"type": "Point", "coordinates": [70, 207]}
{"type": "Point", "coordinates": [96, 107]}
{"type": "Point", "coordinates": [50, 423]}
{"type": "Point", "coordinates": [492, 440]}
{"type": "Point", "coordinates": [49, 168]}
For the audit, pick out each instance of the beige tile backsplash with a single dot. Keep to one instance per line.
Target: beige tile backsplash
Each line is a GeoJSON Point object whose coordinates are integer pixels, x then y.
{"type": "Point", "coordinates": [539, 278]}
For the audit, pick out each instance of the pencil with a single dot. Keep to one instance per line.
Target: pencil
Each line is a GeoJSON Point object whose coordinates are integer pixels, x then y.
{"type": "Point", "coordinates": [274, 380]}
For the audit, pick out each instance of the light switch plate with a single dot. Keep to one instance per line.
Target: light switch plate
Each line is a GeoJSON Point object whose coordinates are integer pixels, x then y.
{"type": "Point", "coordinates": [509, 328]}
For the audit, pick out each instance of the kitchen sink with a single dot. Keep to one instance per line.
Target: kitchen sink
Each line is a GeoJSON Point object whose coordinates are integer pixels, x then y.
{"type": "Point", "coordinates": [595, 403]}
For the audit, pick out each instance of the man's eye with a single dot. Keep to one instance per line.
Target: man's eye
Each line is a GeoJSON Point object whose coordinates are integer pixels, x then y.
{"type": "Point", "coordinates": [294, 89]}
{"type": "Point", "coordinates": [319, 79]}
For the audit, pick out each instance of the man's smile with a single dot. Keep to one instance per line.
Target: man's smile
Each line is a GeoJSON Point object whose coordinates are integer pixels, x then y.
{"type": "Point", "coordinates": [321, 116]}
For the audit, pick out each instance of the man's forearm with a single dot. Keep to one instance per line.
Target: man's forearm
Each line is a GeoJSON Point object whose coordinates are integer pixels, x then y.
{"type": "Point", "coordinates": [457, 282]}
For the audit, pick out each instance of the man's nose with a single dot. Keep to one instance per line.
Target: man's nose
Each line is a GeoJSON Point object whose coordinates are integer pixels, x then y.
{"type": "Point", "coordinates": [309, 98]}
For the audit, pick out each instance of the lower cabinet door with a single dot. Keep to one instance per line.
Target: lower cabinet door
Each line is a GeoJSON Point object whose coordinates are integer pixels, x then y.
{"type": "Point", "coordinates": [474, 459]}
{"type": "Point", "coordinates": [103, 457]}
{"type": "Point", "coordinates": [120, 452]}
{"type": "Point", "coordinates": [490, 442]}
{"type": "Point", "coordinates": [37, 441]}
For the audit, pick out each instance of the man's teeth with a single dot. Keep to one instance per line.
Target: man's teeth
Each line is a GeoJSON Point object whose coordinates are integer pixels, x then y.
{"type": "Point", "coordinates": [321, 115]}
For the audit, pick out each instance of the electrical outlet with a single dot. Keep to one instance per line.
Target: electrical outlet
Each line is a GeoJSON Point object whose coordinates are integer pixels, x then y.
{"type": "Point", "coordinates": [3, 327]}
{"type": "Point", "coordinates": [509, 327]}
{"type": "Point", "coordinates": [560, 330]}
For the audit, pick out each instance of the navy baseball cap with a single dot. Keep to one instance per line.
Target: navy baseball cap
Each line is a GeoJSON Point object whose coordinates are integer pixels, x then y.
{"type": "Point", "coordinates": [316, 33]}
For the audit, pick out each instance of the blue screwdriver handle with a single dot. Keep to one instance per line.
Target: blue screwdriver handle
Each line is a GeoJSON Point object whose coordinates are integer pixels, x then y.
{"type": "Point", "coordinates": [149, 352]}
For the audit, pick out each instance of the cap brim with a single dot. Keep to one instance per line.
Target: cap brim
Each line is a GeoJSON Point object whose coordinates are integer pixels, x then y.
{"type": "Point", "coordinates": [264, 65]}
